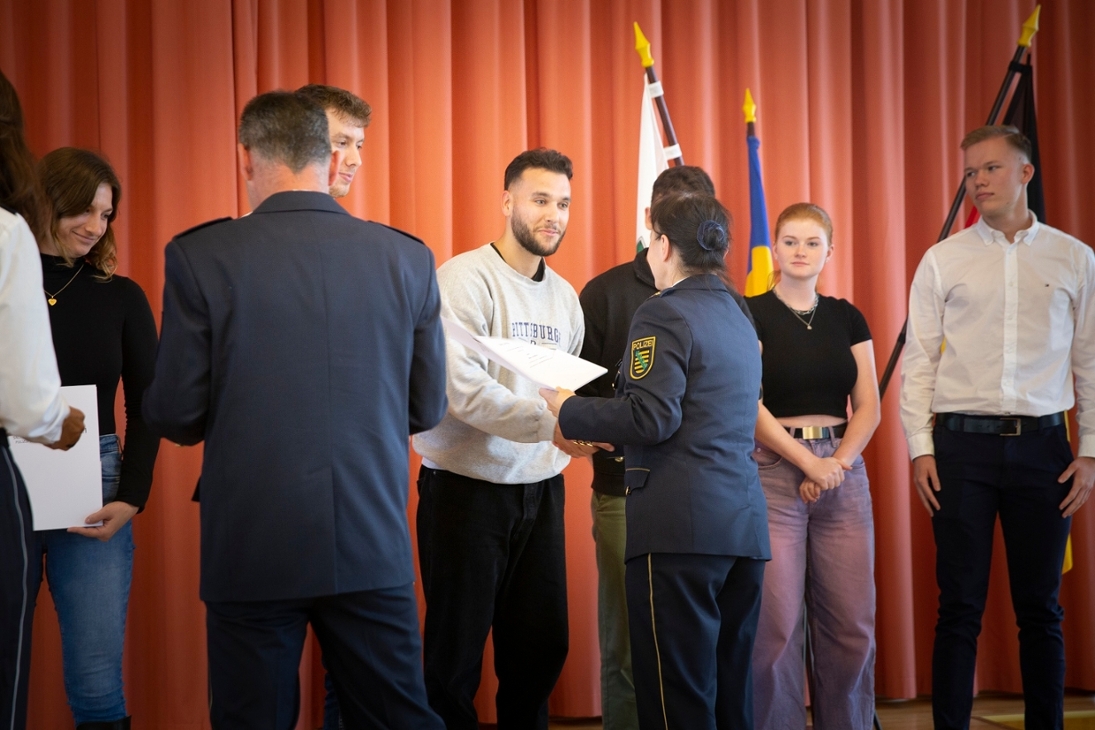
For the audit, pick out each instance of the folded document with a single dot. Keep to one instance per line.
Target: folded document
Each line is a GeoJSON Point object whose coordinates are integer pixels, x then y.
{"type": "Point", "coordinates": [548, 368]}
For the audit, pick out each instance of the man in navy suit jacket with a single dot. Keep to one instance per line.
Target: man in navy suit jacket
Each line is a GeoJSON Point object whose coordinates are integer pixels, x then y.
{"type": "Point", "coordinates": [304, 347]}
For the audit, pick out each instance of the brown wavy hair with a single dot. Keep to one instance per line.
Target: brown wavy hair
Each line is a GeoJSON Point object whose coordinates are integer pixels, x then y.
{"type": "Point", "coordinates": [70, 177]}
{"type": "Point", "coordinates": [19, 188]}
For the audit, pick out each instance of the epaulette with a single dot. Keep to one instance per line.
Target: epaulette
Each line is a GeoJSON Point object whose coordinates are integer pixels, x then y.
{"type": "Point", "coordinates": [401, 232]}
{"type": "Point", "coordinates": [198, 227]}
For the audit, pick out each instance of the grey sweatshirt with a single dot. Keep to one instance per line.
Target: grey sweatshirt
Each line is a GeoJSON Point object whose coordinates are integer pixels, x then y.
{"type": "Point", "coordinates": [498, 428]}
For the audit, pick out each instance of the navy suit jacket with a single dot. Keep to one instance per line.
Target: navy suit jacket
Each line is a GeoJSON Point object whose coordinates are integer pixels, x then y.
{"type": "Point", "coordinates": [686, 412]}
{"type": "Point", "coordinates": [304, 346]}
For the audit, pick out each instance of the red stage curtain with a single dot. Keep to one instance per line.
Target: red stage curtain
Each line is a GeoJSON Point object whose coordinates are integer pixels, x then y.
{"type": "Point", "coordinates": [861, 108]}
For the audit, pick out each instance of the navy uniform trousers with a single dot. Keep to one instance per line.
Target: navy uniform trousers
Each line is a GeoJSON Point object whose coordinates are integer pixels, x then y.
{"type": "Point", "coordinates": [17, 574]}
{"type": "Point", "coordinates": [980, 476]}
{"type": "Point", "coordinates": [693, 620]}
{"type": "Point", "coordinates": [370, 645]}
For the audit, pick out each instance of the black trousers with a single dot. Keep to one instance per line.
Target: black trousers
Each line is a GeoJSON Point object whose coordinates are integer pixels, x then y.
{"type": "Point", "coordinates": [492, 556]}
{"type": "Point", "coordinates": [370, 645]}
{"type": "Point", "coordinates": [982, 476]}
{"type": "Point", "coordinates": [19, 576]}
{"type": "Point", "coordinates": [693, 621]}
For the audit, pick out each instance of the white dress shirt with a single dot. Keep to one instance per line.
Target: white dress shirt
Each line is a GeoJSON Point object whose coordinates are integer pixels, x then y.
{"type": "Point", "coordinates": [31, 405]}
{"type": "Point", "coordinates": [1017, 322]}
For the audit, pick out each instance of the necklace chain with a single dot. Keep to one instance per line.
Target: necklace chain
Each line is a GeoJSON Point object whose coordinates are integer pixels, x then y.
{"type": "Point", "coordinates": [52, 298]}
{"type": "Point", "coordinates": [800, 313]}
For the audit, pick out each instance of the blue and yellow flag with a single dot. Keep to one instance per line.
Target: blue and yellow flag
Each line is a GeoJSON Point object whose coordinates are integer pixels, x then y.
{"type": "Point", "coordinates": [761, 271]}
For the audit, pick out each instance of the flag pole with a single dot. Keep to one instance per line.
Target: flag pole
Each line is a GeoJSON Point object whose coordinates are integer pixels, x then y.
{"type": "Point", "coordinates": [642, 46]}
{"type": "Point", "coordinates": [1030, 27]}
{"type": "Point", "coordinates": [758, 280]}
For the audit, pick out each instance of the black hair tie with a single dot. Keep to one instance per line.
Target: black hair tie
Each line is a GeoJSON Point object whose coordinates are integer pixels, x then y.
{"type": "Point", "coordinates": [710, 226]}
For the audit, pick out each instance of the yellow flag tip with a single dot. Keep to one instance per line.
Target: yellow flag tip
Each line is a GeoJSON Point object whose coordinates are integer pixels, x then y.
{"type": "Point", "coordinates": [749, 107]}
{"type": "Point", "coordinates": [1030, 27]}
{"type": "Point", "coordinates": [642, 47]}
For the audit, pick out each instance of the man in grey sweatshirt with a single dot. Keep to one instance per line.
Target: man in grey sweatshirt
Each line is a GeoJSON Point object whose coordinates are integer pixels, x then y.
{"type": "Point", "coordinates": [490, 512]}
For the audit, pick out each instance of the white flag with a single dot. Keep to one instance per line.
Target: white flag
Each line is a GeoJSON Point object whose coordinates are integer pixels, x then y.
{"type": "Point", "coordinates": [651, 163]}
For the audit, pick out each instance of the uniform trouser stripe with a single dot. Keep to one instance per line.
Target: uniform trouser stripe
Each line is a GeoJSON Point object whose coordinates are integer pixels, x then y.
{"type": "Point", "coordinates": [654, 631]}
{"type": "Point", "coordinates": [18, 658]}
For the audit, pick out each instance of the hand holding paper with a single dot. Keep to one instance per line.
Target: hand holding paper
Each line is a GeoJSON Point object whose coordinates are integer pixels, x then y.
{"type": "Point", "coordinates": [555, 398]}
{"type": "Point", "coordinates": [71, 430]}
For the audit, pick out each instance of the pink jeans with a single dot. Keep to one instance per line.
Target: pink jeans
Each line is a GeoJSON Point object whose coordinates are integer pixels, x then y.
{"type": "Point", "coordinates": [823, 553]}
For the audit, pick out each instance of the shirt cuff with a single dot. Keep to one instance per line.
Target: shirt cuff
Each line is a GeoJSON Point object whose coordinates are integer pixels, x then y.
{"type": "Point", "coordinates": [1087, 446]}
{"type": "Point", "coordinates": [921, 444]}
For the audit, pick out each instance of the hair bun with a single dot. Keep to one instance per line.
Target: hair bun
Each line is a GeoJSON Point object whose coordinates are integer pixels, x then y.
{"type": "Point", "coordinates": [711, 236]}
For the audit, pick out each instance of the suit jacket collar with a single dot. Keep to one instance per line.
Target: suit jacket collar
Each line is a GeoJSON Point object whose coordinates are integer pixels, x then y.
{"type": "Point", "coordinates": [299, 200]}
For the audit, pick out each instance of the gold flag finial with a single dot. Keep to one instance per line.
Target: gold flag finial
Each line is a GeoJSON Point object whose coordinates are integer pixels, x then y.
{"type": "Point", "coordinates": [1030, 27]}
{"type": "Point", "coordinates": [749, 107]}
{"type": "Point", "coordinates": [642, 45]}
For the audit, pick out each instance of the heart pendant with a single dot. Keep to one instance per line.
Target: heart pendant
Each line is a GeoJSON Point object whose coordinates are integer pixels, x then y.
{"type": "Point", "coordinates": [51, 301]}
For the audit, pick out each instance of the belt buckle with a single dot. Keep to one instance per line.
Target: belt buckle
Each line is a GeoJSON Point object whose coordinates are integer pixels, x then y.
{"type": "Point", "coordinates": [1018, 425]}
{"type": "Point", "coordinates": [813, 433]}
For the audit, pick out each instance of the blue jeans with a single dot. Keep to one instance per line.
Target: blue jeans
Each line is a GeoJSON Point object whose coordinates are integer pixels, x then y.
{"type": "Point", "coordinates": [89, 582]}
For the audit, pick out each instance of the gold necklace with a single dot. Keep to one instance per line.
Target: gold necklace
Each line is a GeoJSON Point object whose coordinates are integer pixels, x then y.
{"type": "Point", "coordinates": [798, 315]}
{"type": "Point", "coordinates": [53, 297]}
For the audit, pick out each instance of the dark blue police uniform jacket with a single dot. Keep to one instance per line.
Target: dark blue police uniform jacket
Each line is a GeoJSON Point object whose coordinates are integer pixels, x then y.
{"type": "Point", "coordinates": [304, 346]}
{"type": "Point", "coordinates": [686, 411]}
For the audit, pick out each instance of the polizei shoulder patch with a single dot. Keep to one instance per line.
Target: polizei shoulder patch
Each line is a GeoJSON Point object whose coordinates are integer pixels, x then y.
{"type": "Point", "coordinates": [642, 357]}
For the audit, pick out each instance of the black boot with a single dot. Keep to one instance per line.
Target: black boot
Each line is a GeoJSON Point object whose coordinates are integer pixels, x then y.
{"type": "Point", "coordinates": [122, 724]}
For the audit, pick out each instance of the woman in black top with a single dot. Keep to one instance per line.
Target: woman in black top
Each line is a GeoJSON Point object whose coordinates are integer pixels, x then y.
{"type": "Point", "coordinates": [103, 332]}
{"type": "Point", "coordinates": [817, 355]}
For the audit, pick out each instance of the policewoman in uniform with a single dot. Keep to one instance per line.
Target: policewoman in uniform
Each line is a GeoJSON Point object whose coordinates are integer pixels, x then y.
{"type": "Point", "coordinates": [697, 529]}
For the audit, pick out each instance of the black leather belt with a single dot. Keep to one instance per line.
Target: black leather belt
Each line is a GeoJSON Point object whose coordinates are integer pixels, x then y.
{"type": "Point", "coordinates": [812, 433]}
{"type": "Point", "coordinates": [998, 425]}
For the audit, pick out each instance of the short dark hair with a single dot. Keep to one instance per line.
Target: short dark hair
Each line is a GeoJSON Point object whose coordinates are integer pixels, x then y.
{"type": "Point", "coordinates": [682, 179]}
{"type": "Point", "coordinates": [540, 158]}
{"type": "Point", "coordinates": [350, 107]}
{"type": "Point", "coordinates": [698, 227]}
{"type": "Point", "coordinates": [70, 178]}
{"type": "Point", "coordinates": [286, 127]}
{"type": "Point", "coordinates": [1011, 135]}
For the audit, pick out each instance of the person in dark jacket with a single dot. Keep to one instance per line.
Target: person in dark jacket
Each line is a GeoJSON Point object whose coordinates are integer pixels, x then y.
{"type": "Point", "coordinates": [697, 531]}
{"type": "Point", "coordinates": [304, 347]}
{"type": "Point", "coordinates": [609, 302]}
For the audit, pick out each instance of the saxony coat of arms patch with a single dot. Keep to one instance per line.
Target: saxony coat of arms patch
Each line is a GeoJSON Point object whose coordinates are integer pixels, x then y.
{"type": "Point", "coordinates": [642, 357]}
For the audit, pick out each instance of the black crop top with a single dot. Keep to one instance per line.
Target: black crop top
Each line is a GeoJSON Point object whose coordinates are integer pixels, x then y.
{"type": "Point", "coordinates": [808, 372]}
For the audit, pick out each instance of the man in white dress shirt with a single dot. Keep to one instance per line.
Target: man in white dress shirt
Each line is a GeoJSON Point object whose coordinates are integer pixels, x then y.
{"type": "Point", "coordinates": [1000, 322]}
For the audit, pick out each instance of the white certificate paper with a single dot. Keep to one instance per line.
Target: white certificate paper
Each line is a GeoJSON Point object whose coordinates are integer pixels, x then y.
{"type": "Point", "coordinates": [64, 486]}
{"type": "Point", "coordinates": [544, 366]}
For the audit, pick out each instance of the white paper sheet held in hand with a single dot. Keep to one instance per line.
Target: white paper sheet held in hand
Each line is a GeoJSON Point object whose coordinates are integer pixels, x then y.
{"type": "Point", "coordinates": [544, 366]}
{"type": "Point", "coordinates": [64, 486]}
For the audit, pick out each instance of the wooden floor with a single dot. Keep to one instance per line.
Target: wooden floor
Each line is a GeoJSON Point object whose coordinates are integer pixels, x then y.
{"type": "Point", "coordinates": [990, 710]}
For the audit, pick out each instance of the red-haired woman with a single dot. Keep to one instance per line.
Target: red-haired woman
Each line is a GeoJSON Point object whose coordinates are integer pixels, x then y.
{"type": "Point", "coordinates": [817, 356]}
